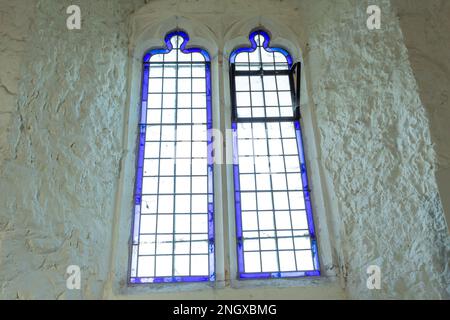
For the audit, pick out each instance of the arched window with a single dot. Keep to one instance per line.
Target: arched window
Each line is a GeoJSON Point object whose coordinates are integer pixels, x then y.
{"type": "Point", "coordinates": [173, 227]}
{"type": "Point", "coordinates": [274, 223]}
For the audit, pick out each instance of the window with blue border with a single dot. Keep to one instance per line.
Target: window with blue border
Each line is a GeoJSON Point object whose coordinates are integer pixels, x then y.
{"type": "Point", "coordinates": [274, 219]}
{"type": "Point", "coordinates": [173, 223]}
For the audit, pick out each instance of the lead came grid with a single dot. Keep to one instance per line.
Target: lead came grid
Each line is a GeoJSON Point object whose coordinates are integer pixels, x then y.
{"type": "Point", "coordinates": [174, 221]}
{"type": "Point", "coordinates": [275, 235]}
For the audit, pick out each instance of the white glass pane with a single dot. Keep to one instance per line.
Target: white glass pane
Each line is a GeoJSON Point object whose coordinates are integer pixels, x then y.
{"type": "Point", "coordinates": [262, 164]}
{"type": "Point", "coordinates": [285, 98]}
{"type": "Point", "coordinates": [147, 245]}
{"type": "Point", "coordinates": [182, 223]}
{"type": "Point", "coordinates": [275, 147]}
{"type": "Point", "coordinates": [198, 71]}
{"type": "Point", "coordinates": [264, 201]}
{"type": "Point", "coordinates": [183, 185]}
{"type": "Point", "coordinates": [165, 224]}
{"type": "Point", "coordinates": [280, 200]}
{"type": "Point", "coordinates": [151, 167]}
{"type": "Point", "coordinates": [294, 181]}
{"type": "Point", "coordinates": [283, 83]}
{"type": "Point", "coordinates": [199, 204]}
{"type": "Point", "coordinates": [249, 220]}
{"type": "Point", "coordinates": [199, 85]}
{"type": "Point", "coordinates": [296, 200]}
{"type": "Point", "coordinates": [271, 99]}
{"type": "Point", "coordinates": [287, 261]}
{"type": "Point", "coordinates": [149, 204]}
{"type": "Point", "coordinates": [184, 115]}
{"type": "Point", "coordinates": [245, 147]}
{"type": "Point", "coordinates": [246, 165]}
{"type": "Point", "coordinates": [248, 201]}
{"type": "Point", "coordinates": [199, 247]}
{"type": "Point", "coordinates": [199, 100]}
{"type": "Point", "coordinates": [169, 85]}
{"type": "Point", "coordinates": [277, 164]}
{"type": "Point", "coordinates": [259, 130]}
{"type": "Point", "coordinates": [251, 245]}
{"type": "Point", "coordinates": [302, 243]}
{"type": "Point", "coordinates": [269, 261]}
{"type": "Point", "coordinates": [184, 71]}
{"type": "Point", "coordinates": [155, 100]}
{"type": "Point", "coordinates": [242, 99]}
{"type": "Point", "coordinates": [183, 167]}
{"type": "Point", "coordinates": [283, 220]}
{"type": "Point", "coordinates": [299, 220]}
{"type": "Point", "coordinates": [199, 116]}
{"type": "Point", "coordinates": [184, 85]}
{"type": "Point", "coordinates": [269, 83]}
{"type": "Point", "coordinates": [182, 265]}
{"type": "Point", "coordinates": [279, 182]}
{"type": "Point", "coordinates": [292, 163]}
{"type": "Point", "coordinates": [170, 71]}
{"type": "Point", "coordinates": [247, 182]}
{"type": "Point", "coordinates": [285, 244]}
{"type": "Point", "coordinates": [167, 149]}
{"type": "Point", "coordinates": [154, 116]}
{"type": "Point", "coordinates": [146, 267]}
{"type": "Point", "coordinates": [198, 57]}
{"type": "Point", "coordinates": [148, 223]}
{"type": "Point", "coordinates": [183, 133]}
{"type": "Point", "coordinates": [290, 146]}
{"type": "Point", "coordinates": [165, 204]}
{"type": "Point", "coordinates": [169, 100]}
{"type": "Point", "coordinates": [168, 116]}
{"type": "Point", "coordinates": [183, 247]}
{"type": "Point", "coordinates": [304, 260]}
{"type": "Point", "coordinates": [242, 84]}
{"type": "Point", "coordinates": [199, 185]}
{"type": "Point", "coordinates": [182, 204]}
{"type": "Point", "coordinates": [266, 217]}
{"type": "Point", "coordinates": [257, 99]}
{"type": "Point", "coordinates": [199, 149]}
{"type": "Point", "coordinates": [258, 112]}
{"type": "Point", "coordinates": [166, 185]}
{"type": "Point", "coordinates": [252, 262]}
{"type": "Point", "coordinates": [199, 265]}
{"type": "Point", "coordinates": [244, 112]}
{"type": "Point", "coordinates": [156, 71]}
{"type": "Point", "coordinates": [263, 182]}
{"type": "Point", "coordinates": [199, 133]}
{"type": "Point", "coordinates": [256, 83]}
{"type": "Point", "coordinates": [199, 166]}
{"type": "Point", "coordinates": [272, 112]}
{"type": "Point", "coordinates": [183, 149]}
{"type": "Point", "coordinates": [166, 167]}
{"type": "Point", "coordinates": [184, 100]}
{"type": "Point", "coordinates": [168, 133]}
{"type": "Point", "coordinates": [260, 147]}
{"type": "Point", "coordinates": [164, 244]}
{"type": "Point", "coordinates": [267, 57]}
{"type": "Point", "coordinates": [149, 185]}
{"type": "Point", "coordinates": [163, 266]}
{"type": "Point", "coordinates": [155, 85]}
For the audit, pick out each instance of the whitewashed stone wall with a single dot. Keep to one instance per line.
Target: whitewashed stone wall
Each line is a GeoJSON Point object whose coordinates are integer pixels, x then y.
{"type": "Point", "coordinates": [377, 151]}
{"type": "Point", "coordinates": [63, 101]}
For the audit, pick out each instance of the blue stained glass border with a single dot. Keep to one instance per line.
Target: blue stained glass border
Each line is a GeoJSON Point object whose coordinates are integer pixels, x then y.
{"type": "Point", "coordinates": [141, 154]}
{"type": "Point", "coordinates": [304, 177]}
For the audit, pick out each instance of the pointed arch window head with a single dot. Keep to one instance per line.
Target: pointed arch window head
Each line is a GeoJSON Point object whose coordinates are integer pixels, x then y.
{"type": "Point", "coordinates": [173, 226]}
{"type": "Point", "coordinates": [274, 222]}
{"type": "Point", "coordinates": [260, 56]}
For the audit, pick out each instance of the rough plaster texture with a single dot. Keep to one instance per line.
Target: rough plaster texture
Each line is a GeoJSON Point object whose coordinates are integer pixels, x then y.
{"type": "Point", "coordinates": [425, 28]}
{"type": "Point", "coordinates": [63, 100]}
{"type": "Point", "coordinates": [377, 151]}
{"type": "Point", "coordinates": [61, 158]}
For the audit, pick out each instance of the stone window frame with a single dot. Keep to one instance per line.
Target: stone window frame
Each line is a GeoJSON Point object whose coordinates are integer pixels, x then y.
{"type": "Point", "coordinates": [148, 35]}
